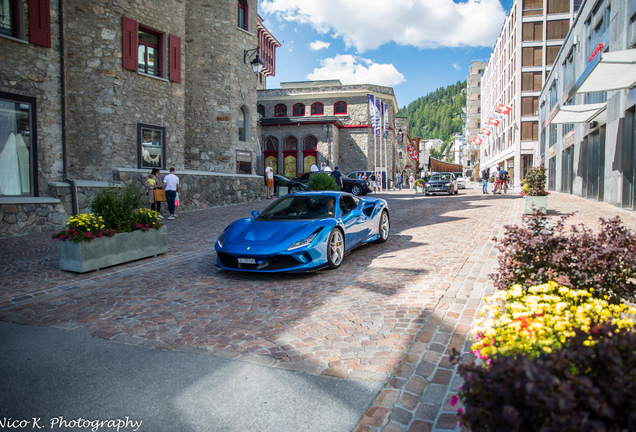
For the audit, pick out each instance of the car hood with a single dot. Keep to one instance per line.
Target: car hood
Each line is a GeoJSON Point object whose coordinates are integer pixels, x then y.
{"type": "Point", "coordinates": [270, 233]}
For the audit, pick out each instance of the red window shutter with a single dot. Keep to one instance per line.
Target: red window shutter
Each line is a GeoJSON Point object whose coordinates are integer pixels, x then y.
{"type": "Point", "coordinates": [40, 22]}
{"type": "Point", "coordinates": [175, 58]}
{"type": "Point", "coordinates": [129, 50]}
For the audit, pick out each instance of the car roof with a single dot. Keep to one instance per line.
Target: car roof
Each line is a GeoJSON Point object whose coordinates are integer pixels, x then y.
{"type": "Point", "coordinates": [333, 193]}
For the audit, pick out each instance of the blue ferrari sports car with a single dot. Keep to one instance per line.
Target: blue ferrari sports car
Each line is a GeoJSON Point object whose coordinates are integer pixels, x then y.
{"type": "Point", "coordinates": [302, 232]}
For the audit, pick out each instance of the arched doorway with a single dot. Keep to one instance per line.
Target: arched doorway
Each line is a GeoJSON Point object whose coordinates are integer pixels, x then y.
{"type": "Point", "coordinates": [310, 153]}
{"type": "Point", "coordinates": [270, 153]}
{"type": "Point", "coordinates": [290, 156]}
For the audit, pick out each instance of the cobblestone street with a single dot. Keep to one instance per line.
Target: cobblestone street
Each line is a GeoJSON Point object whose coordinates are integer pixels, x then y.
{"type": "Point", "coordinates": [392, 313]}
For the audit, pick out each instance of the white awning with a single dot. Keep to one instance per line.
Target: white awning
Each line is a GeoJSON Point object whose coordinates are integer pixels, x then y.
{"type": "Point", "coordinates": [614, 71]}
{"type": "Point", "coordinates": [577, 113]}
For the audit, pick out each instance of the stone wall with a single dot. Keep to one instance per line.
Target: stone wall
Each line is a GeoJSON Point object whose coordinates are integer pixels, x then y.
{"type": "Point", "coordinates": [218, 84]}
{"type": "Point", "coordinates": [105, 101]}
{"type": "Point", "coordinates": [32, 70]}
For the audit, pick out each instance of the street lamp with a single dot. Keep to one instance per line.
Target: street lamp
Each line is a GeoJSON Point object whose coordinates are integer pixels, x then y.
{"type": "Point", "coordinates": [257, 63]}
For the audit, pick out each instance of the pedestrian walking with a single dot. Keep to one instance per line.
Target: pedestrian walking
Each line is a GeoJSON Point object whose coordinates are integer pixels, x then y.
{"type": "Point", "coordinates": [399, 181]}
{"type": "Point", "coordinates": [154, 182]}
{"type": "Point", "coordinates": [338, 177]}
{"type": "Point", "coordinates": [374, 185]}
{"type": "Point", "coordinates": [378, 181]}
{"type": "Point", "coordinates": [411, 181]}
{"type": "Point", "coordinates": [269, 179]}
{"type": "Point", "coordinates": [171, 183]}
{"type": "Point", "coordinates": [485, 176]}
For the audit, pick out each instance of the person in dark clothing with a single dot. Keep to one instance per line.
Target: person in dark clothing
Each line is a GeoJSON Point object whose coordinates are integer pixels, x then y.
{"type": "Point", "coordinates": [485, 176]}
{"type": "Point", "coordinates": [338, 176]}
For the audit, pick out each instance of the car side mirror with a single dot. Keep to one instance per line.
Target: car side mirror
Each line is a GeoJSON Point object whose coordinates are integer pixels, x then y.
{"type": "Point", "coordinates": [255, 213]}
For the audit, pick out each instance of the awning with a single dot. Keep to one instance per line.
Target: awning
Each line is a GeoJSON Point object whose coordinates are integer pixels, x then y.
{"type": "Point", "coordinates": [612, 70]}
{"type": "Point", "coordinates": [577, 113]}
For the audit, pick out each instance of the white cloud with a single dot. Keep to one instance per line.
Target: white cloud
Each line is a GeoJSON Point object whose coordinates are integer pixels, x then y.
{"type": "Point", "coordinates": [368, 24]}
{"type": "Point", "coordinates": [290, 46]}
{"type": "Point", "coordinates": [457, 66]}
{"type": "Point", "coordinates": [316, 45]}
{"type": "Point", "coordinates": [356, 70]}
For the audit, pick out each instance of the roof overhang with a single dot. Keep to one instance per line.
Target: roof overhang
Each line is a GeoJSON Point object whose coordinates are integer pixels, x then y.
{"type": "Point", "coordinates": [578, 113]}
{"type": "Point", "coordinates": [285, 121]}
{"type": "Point", "coordinates": [612, 70]}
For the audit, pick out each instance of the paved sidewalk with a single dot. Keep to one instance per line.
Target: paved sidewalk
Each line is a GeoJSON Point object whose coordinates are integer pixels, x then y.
{"type": "Point", "coordinates": [390, 315]}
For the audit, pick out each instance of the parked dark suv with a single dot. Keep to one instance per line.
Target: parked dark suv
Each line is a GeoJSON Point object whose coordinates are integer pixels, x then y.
{"type": "Point", "coordinates": [355, 187]}
{"type": "Point", "coordinates": [441, 183]}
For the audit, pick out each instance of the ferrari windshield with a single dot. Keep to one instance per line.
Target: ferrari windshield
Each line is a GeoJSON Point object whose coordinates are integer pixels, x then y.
{"type": "Point", "coordinates": [440, 177]}
{"type": "Point", "coordinates": [301, 207]}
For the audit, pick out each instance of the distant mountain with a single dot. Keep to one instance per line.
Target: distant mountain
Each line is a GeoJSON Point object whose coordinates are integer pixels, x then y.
{"type": "Point", "coordinates": [438, 114]}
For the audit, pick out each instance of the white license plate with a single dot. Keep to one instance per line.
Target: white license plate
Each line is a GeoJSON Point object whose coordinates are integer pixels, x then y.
{"type": "Point", "coordinates": [247, 261]}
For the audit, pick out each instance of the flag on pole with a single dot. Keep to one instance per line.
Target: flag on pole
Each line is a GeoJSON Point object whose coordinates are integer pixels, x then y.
{"type": "Point", "coordinates": [493, 121]}
{"type": "Point", "coordinates": [499, 116]}
{"type": "Point", "coordinates": [503, 109]}
{"type": "Point", "coordinates": [372, 113]}
{"type": "Point", "coordinates": [484, 131]}
{"type": "Point", "coordinates": [386, 121]}
{"type": "Point", "coordinates": [481, 137]}
{"type": "Point", "coordinates": [491, 128]}
{"type": "Point", "coordinates": [378, 120]}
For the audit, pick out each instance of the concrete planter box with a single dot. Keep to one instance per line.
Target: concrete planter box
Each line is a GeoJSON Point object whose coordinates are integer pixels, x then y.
{"type": "Point", "coordinates": [109, 251]}
{"type": "Point", "coordinates": [282, 190]}
{"type": "Point", "coordinates": [419, 189]}
{"type": "Point", "coordinates": [540, 202]}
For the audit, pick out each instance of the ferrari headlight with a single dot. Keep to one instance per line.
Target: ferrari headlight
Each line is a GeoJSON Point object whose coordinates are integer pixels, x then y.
{"type": "Point", "coordinates": [220, 241]}
{"type": "Point", "coordinates": [448, 184]}
{"type": "Point", "coordinates": [304, 242]}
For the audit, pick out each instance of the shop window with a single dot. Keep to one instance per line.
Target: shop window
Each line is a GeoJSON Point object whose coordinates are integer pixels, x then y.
{"type": "Point", "coordinates": [280, 110]}
{"type": "Point", "coordinates": [298, 110]}
{"type": "Point", "coordinates": [243, 162]}
{"type": "Point", "coordinates": [340, 108]}
{"type": "Point", "coordinates": [317, 108]}
{"type": "Point", "coordinates": [18, 145]}
{"type": "Point", "coordinates": [151, 145]}
{"type": "Point", "coordinates": [242, 14]}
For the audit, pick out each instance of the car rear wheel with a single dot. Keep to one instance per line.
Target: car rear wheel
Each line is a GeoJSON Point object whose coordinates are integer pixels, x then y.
{"type": "Point", "coordinates": [294, 189]}
{"type": "Point", "coordinates": [356, 190]}
{"type": "Point", "coordinates": [384, 227]}
{"type": "Point", "coordinates": [335, 249]}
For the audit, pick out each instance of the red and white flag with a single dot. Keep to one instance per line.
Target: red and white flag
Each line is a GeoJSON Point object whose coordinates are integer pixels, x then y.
{"type": "Point", "coordinates": [477, 141]}
{"type": "Point", "coordinates": [485, 131]}
{"type": "Point", "coordinates": [503, 109]}
{"type": "Point", "coordinates": [493, 121]}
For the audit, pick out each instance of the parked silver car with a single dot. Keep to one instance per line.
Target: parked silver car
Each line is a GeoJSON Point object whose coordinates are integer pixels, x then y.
{"type": "Point", "coordinates": [441, 183]}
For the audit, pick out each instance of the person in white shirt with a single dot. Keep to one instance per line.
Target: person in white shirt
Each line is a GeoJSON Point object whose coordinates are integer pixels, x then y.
{"type": "Point", "coordinates": [171, 183]}
{"type": "Point", "coordinates": [269, 176]}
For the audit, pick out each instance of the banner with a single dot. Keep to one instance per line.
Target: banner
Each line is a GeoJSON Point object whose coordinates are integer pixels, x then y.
{"type": "Point", "coordinates": [477, 141]}
{"type": "Point", "coordinates": [503, 109]}
{"type": "Point", "coordinates": [493, 121]}
{"type": "Point", "coordinates": [386, 121]}
{"type": "Point", "coordinates": [481, 137]}
{"type": "Point", "coordinates": [373, 113]}
{"type": "Point", "coordinates": [378, 119]}
{"type": "Point", "coordinates": [484, 131]}
{"type": "Point", "coordinates": [489, 127]}
{"type": "Point", "coordinates": [499, 116]}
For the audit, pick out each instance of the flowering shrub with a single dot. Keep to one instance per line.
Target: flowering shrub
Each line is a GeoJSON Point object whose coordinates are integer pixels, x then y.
{"type": "Point", "coordinates": [535, 254]}
{"type": "Point", "coordinates": [146, 219]}
{"type": "Point", "coordinates": [84, 227]}
{"type": "Point", "coordinates": [534, 183]}
{"type": "Point", "coordinates": [541, 320]}
{"type": "Point", "coordinates": [589, 386]}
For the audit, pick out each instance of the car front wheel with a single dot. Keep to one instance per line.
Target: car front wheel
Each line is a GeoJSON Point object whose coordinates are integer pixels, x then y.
{"type": "Point", "coordinates": [294, 189]}
{"type": "Point", "coordinates": [356, 190]}
{"type": "Point", "coordinates": [335, 249]}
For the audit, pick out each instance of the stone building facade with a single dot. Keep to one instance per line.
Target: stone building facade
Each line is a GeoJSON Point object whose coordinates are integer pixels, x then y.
{"type": "Point", "coordinates": [324, 122]}
{"type": "Point", "coordinates": [106, 91]}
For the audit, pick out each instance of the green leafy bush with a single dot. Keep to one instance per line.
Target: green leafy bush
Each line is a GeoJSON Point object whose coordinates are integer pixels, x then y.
{"type": "Point", "coordinates": [535, 254]}
{"type": "Point", "coordinates": [117, 206]}
{"type": "Point", "coordinates": [322, 182]}
{"type": "Point", "coordinates": [534, 183]}
{"type": "Point", "coordinates": [282, 182]}
{"type": "Point", "coordinates": [590, 386]}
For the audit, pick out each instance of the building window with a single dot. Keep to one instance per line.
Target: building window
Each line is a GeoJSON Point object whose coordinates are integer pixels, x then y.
{"type": "Point", "coordinates": [290, 144]}
{"type": "Point", "coordinates": [340, 108]}
{"type": "Point", "coordinates": [242, 125]}
{"type": "Point", "coordinates": [529, 131]}
{"type": "Point", "coordinates": [243, 162]}
{"type": "Point", "coordinates": [261, 111]}
{"type": "Point", "coordinates": [280, 110]}
{"type": "Point", "coordinates": [310, 143]}
{"type": "Point", "coordinates": [298, 110]}
{"type": "Point", "coordinates": [151, 143]}
{"type": "Point", "coordinates": [558, 6]}
{"type": "Point", "coordinates": [150, 49]}
{"type": "Point", "coordinates": [532, 7]}
{"type": "Point", "coordinates": [317, 108]}
{"type": "Point", "coordinates": [553, 134]}
{"type": "Point", "coordinates": [18, 145]}
{"type": "Point", "coordinates": [553, 95]}
{"type": "Point", "coordinates": [400, 155]}
{"type": "Point", "coordinates": [271, 144]}
{"type": "Point", "coordinates": [531, 81]}
{"type": "Point", "coordinates": [557, 29]}
{"type": "Point", "coordinates": [529, 105]}
{"type": "Point", "coordinates": [531, 56]}
{"type": "Point", "coordinates": [532, 31]}
{"type": "Point", "coordinates": [9, 18]}
{"type": "Point", "coordinates": [242, 14]}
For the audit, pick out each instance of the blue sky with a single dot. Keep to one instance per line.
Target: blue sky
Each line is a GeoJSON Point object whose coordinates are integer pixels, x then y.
{"type": "Point", "coordinates": [414, 46]}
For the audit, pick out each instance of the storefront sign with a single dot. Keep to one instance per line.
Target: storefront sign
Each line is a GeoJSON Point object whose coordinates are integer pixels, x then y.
{"type": "Point", "coordinates": [598, 48]}
{"type": "Point", "coordinates": [243, 156]}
